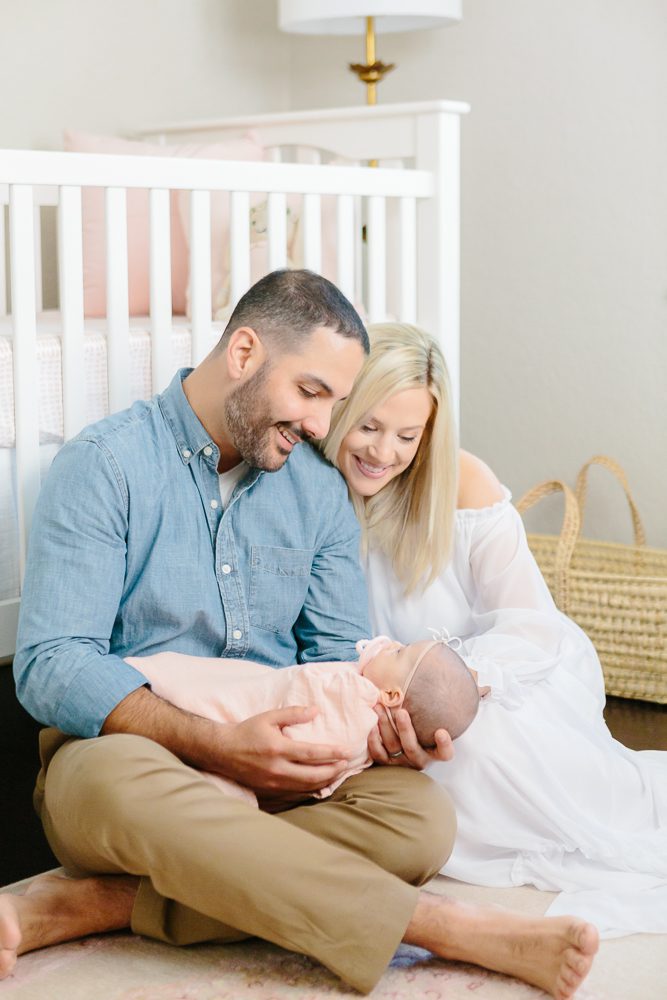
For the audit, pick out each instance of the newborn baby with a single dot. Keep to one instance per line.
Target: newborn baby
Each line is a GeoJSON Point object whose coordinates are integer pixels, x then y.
{"type": "Point", "coordinates": [427, 678]}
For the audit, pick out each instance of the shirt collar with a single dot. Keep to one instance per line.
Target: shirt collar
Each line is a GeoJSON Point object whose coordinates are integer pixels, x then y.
{"type": "Point", "coordinates": [190, 434]}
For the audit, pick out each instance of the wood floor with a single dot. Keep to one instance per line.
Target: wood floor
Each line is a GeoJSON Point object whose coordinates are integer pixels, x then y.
{"type": "Point", "coordinates": [641, 725]}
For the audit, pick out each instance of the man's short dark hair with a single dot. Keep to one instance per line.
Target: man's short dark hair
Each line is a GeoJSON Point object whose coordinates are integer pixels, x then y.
{"type": "Point", "coordinates": [286, 306]}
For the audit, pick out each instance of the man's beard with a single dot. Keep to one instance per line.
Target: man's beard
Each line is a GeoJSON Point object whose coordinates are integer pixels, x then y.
{"type": "Point", "coordinates": [250, 424]}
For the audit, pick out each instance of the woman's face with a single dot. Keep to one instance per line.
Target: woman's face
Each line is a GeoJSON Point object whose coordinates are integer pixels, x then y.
{"type": "Point", "coordinates": [385, 442]}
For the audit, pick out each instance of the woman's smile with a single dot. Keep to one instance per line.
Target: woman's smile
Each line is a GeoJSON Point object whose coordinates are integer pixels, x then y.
{"type": "Point", "coordinates": [370, 469]}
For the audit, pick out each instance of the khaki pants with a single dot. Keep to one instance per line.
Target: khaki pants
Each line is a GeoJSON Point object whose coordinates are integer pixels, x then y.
{"type": "Point", "coordinates": [333, 880]}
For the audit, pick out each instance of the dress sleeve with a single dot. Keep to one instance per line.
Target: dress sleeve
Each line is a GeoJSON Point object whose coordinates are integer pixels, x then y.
{"type": "Point", "coordinates": [518, 636]}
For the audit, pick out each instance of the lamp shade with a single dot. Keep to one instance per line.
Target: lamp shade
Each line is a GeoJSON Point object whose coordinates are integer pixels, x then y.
{"type": "Point", "coordinates": [348, 17]}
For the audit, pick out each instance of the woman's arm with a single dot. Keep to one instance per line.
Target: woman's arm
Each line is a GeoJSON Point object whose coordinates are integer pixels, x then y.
{"type": "Point", "coordinates": [518, 634]}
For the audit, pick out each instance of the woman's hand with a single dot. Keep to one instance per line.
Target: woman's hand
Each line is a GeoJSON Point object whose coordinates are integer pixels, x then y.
{"type": "Point", "coordinates": [404, 750]}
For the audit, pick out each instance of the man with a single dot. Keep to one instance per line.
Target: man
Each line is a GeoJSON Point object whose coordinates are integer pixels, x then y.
{"type": "Point", "coordinates": [198, 522]}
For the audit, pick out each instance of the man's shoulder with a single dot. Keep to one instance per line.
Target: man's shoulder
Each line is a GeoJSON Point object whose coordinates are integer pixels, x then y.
{"type": "Point", "coordinates": [308, 460]}
{"type": "Point", "coordinates": [128, 421]}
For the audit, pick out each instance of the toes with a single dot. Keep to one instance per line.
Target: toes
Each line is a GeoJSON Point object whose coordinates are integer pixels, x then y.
{"type": "Point", "coordinates": [7, 962]}
{"type": "Point", "coordinates": [586, 937]}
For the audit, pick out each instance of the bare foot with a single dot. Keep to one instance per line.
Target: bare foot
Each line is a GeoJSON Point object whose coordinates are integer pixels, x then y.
{"type": "Point", "coordinates": [554, 953]}
{"type": "Point", "coordinates": [55, 909]}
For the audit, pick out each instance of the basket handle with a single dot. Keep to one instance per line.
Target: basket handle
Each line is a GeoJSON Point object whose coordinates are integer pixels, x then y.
{"type": "Point", "coordinates": [569, 532]}
{"type": "Point", "coordinates": [615, 468]}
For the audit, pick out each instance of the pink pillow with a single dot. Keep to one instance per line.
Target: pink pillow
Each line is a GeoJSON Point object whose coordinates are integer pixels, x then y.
{"type": "Point", "coordinates": [94, 249]}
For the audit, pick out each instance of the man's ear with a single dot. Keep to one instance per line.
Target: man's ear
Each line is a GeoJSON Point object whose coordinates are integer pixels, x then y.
{"type": "Point", "coordinates": [392, 698]}
{"type": "Point", "coordinates": [245, 353]}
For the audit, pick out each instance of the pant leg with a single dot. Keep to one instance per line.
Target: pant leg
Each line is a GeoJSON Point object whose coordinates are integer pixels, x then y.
{"type": "Point", "coordinates": [311, 880]}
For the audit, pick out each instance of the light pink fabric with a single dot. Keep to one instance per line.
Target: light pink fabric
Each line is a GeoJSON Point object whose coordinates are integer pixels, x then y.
{"type": "Point", "coordinates": [228, 690]}
{"type": "Point", "coordinates": [94, 246]}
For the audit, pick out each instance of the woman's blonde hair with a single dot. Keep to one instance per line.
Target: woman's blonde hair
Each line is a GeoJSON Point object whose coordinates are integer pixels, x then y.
{"type": "Point", "coordinates": [412, 518]}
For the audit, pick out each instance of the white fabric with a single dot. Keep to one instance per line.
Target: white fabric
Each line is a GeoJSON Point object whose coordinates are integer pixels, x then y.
{"type": "Point", "coordinates": [228, 480]}
{"type": "Point", "coordinates": [544, 795]}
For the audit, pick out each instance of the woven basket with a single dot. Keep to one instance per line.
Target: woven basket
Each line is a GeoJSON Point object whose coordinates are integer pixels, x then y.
{"type": "Point", "coordinates": [616, 593]}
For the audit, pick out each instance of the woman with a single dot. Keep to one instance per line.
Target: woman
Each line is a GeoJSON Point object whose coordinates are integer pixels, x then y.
{"type": "Point", "coordinates": [544, 795]}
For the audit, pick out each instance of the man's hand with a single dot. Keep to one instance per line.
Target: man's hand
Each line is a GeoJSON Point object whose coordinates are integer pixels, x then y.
{"type": "Point", "coordinates": [384, 745]}
{"type": "Point", "coordinates": [257, 754]}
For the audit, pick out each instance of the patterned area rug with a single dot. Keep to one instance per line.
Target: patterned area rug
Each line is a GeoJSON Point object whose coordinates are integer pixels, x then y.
{"type": "Point", "coordinates": [125, 967]}
{"type": "Point", "coordinates": [122, 967]}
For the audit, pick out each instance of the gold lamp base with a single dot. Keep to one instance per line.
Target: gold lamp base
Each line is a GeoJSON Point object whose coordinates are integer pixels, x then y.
{"type": "Point", "coordinates": [372, 71]}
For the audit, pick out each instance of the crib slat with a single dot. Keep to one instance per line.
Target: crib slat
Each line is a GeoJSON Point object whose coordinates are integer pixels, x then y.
{"type": "Point", "coordinates": [37, 222]}
{"type": "Point", "coordinates": [118, 324]}
{"type": "Point", "coordinates": [377, 268]}
{"type": "Point", "coordinates": [277, 221]}
{"type": "Point", "coordinates": [3, 282]}
{"type": "Point", "coordinates": [26, 402]}
{"type": "Point", "coordinates": [312, 232]}
{"type": "Point", "coordinates": [160, 289]}
{"type": "Point", "coordinates": [70, 270]}
{"type": "Point", "coordinates": [200, 273]}
{"type": "Point", "coordinates": [407, 242]}
{"type": "Point", "coordinates": [345, 248]}
{"type": "Point", "coordinates": [239, 233]}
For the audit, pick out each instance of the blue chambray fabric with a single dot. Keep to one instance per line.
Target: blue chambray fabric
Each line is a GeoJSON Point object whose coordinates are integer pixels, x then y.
{"type": "Point", "coordinates": [131, 553]}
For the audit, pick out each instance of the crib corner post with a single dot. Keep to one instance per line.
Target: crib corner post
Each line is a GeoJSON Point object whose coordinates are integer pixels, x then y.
{"type": "Point", "coordinates": [438, 150]}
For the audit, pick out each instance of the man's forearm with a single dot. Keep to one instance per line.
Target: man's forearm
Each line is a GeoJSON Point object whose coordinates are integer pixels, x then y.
{"type": "Point", "coordinates": [194, 740]}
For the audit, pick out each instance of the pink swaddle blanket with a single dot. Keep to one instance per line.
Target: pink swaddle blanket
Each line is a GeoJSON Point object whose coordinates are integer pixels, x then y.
{"type": "Point", "coordinates": [227, 690]}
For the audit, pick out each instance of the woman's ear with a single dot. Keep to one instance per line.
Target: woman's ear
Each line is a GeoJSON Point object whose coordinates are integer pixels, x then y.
{"type": "Point", "coordinates": [245, 353]}
{"type": "Point", "coordinates": [391, 698]}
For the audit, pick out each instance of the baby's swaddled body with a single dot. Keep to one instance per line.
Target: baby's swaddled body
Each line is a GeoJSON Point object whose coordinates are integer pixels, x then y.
{"type": "Point", "coordinates": [229, 690]}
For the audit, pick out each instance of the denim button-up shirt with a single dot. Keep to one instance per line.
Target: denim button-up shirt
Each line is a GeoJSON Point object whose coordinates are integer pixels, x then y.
{"type": "Point", "coordinates": [132, 553]}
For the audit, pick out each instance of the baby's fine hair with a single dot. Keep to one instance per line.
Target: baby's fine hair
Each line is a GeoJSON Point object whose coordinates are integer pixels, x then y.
{"type": "Point", "coordinates": [443, 694]}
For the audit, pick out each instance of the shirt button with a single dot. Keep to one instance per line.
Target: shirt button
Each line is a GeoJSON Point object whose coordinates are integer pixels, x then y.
{"type": "Point", "coordinates": [226, 568]}
{"type": "Point", "coordinates": [237, 633]}
{"type": "Point", "coordinates": [214, 504]}
{"type": "Point", "coordinates": [208, 450]}
{"type": "Point", "coordinates": [186, 453]}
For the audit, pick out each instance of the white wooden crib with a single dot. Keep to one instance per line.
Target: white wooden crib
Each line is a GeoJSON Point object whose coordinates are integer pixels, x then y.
{"type": "Point", "coordinates": [396, 254]}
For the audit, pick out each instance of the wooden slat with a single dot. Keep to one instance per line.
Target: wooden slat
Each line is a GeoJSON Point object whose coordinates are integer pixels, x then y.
{"type": "Point", "coordinates": [3, 263]}
{"type": "Point", "coordinates": [118, 324]}
{"type": "Point", "coordinates": [377, 266]}
{"type": "Point", "coordinates": [312, 232]}
{"type": "Point", "coordinates": [162, 367]}
{"type": "Point", "coordinates": [26, 403]}
{"type": "Point", "coordinates": [70, 273]}
{"type": "Point", "coordinates": [200, 273]}
{"type": "Point", "coordinates": [407, 247]}
{"type": "Point", "coordinates": [37, 222]}
{"type": "Point", "coordinates": [277, 222]}
{"type": "Point", "coordinates": [345, 245]}
{"type": "Point", "coordinates": [239, 239]}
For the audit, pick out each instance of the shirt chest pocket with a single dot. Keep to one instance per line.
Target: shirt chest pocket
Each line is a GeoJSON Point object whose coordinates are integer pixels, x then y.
{"type": "Point", "coordinates": [279, 580]}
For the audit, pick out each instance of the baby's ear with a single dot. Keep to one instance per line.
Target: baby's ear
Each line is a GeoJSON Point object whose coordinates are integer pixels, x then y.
{"type": "Point", "coordinates": [393, 698]}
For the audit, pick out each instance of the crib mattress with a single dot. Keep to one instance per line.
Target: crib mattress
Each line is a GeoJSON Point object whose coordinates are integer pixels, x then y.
{"type": "Point", "coordinates": [93, 372]}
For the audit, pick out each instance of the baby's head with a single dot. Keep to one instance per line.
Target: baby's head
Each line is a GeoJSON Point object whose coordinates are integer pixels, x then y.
{"type": "Point", "coordinates": [426, 678]}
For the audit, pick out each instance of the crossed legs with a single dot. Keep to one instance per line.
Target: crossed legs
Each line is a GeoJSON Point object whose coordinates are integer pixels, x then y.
{"type": "Point", "coordinates": [335, 880]}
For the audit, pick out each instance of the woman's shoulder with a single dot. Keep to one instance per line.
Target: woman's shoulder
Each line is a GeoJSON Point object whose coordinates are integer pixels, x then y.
{"type": "Point", "coordinates": [479, 487]}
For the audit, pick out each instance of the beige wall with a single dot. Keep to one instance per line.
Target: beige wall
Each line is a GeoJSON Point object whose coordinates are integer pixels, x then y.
{"type": "Point", "coordinates": [564, 231]}
{"type": "Point", "coordinates": [564, 346]}
{"type": "Point", "coordinates": [116, 65]}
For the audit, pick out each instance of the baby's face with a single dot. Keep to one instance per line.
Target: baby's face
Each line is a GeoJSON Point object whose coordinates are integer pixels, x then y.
{"type": "Point", "coordinates": [388, 663]}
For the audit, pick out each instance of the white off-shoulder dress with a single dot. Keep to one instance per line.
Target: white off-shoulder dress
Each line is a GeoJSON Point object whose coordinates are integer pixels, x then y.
{"type": "Point", "coordinates": [544, 795]}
